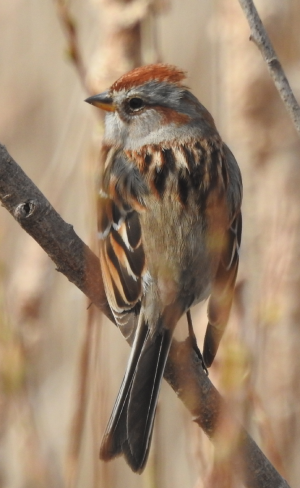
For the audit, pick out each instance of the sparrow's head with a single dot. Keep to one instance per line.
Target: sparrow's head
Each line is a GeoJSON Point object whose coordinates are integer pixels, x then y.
{"type": "Point", "coordinates": [150, 105]}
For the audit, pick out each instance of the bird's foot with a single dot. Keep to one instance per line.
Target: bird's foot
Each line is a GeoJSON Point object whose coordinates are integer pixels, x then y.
{"type": "Point", "coordinates": [193, 341]}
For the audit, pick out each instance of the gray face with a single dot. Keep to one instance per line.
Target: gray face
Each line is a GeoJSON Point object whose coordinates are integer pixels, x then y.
{"type": "Point", "coordinates": [154, 113]}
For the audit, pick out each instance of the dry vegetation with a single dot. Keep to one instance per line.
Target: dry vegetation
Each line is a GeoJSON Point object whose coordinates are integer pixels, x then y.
{"type": "Point", "coordinates": [61, 364]}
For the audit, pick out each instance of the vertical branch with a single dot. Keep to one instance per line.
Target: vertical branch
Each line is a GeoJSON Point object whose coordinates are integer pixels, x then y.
{"type": "Point", "coordinates": [70, 29]}
{"type": "Point", "coordinates": [260, 37]}
{"type": "Point", "coordinates": [267, 147]}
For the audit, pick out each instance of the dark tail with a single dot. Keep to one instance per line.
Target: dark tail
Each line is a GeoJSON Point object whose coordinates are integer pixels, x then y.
{"type": "Point", "coordinates": [129, 429]}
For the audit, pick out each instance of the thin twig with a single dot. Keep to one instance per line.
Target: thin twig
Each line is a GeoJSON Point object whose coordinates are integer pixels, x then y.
{"type": "Point", "coordinates": [260, 37]}
{"type": "Point", "coordinates": [77, 262]}
{"type": "Point", "coordinates": [69, 26]}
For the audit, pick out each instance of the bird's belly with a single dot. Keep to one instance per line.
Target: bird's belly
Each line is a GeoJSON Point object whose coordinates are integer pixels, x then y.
{"type": "Point", "coordinates": [180, 265]}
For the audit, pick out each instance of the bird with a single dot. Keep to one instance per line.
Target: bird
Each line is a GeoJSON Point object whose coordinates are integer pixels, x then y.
{"type": "Point", "coordinates": [169, 229]}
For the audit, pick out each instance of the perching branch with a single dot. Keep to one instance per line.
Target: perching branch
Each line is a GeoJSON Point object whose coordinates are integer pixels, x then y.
{"type": "Point", "coordinates": [77, 262]}
{"type": "Point", "coordinates": [260, 37]}
{"type": "Point", "coordinates": [34, 213]}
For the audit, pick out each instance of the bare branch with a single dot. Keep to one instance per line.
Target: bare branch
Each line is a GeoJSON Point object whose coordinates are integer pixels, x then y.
{"type": "Point", "coordinates": [69, 26]}
{"type": "Point", "coordinates": [185, 374]}
{"type": "Point", "coordinates": [34, 213]}
{"type": "Point", "coordinates": [79, 264]}
{"type": "Point", "coordinates": [260, 37]}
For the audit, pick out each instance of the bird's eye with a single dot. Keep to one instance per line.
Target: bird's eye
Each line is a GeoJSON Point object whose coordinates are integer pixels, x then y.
{"type": "Point", "coordinates": [136, 104]}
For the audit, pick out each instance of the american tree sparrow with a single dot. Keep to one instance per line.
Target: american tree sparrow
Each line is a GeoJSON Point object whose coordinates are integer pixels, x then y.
{"type": "Point", "coordinates": [169, 226]}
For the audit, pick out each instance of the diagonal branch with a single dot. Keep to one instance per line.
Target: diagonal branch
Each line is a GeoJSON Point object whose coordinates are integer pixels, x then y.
{"type": "Point", "coordinates": [260, 37]}
{"type": "Point", "coordinates": [79, 264]}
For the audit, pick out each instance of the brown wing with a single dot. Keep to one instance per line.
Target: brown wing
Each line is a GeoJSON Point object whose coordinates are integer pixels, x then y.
{"type": "Point", "coordinates": [222, 291]}
{"type": "Point", "coordinates": [121, 251]}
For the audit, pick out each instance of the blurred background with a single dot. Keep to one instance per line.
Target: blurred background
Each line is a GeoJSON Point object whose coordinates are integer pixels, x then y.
{"type": "Point", "coordinates": [61, 365]}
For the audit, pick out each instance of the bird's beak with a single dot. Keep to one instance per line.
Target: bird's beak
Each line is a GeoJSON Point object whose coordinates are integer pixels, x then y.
{"type": "Point", "coordinates": [103, 101]}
